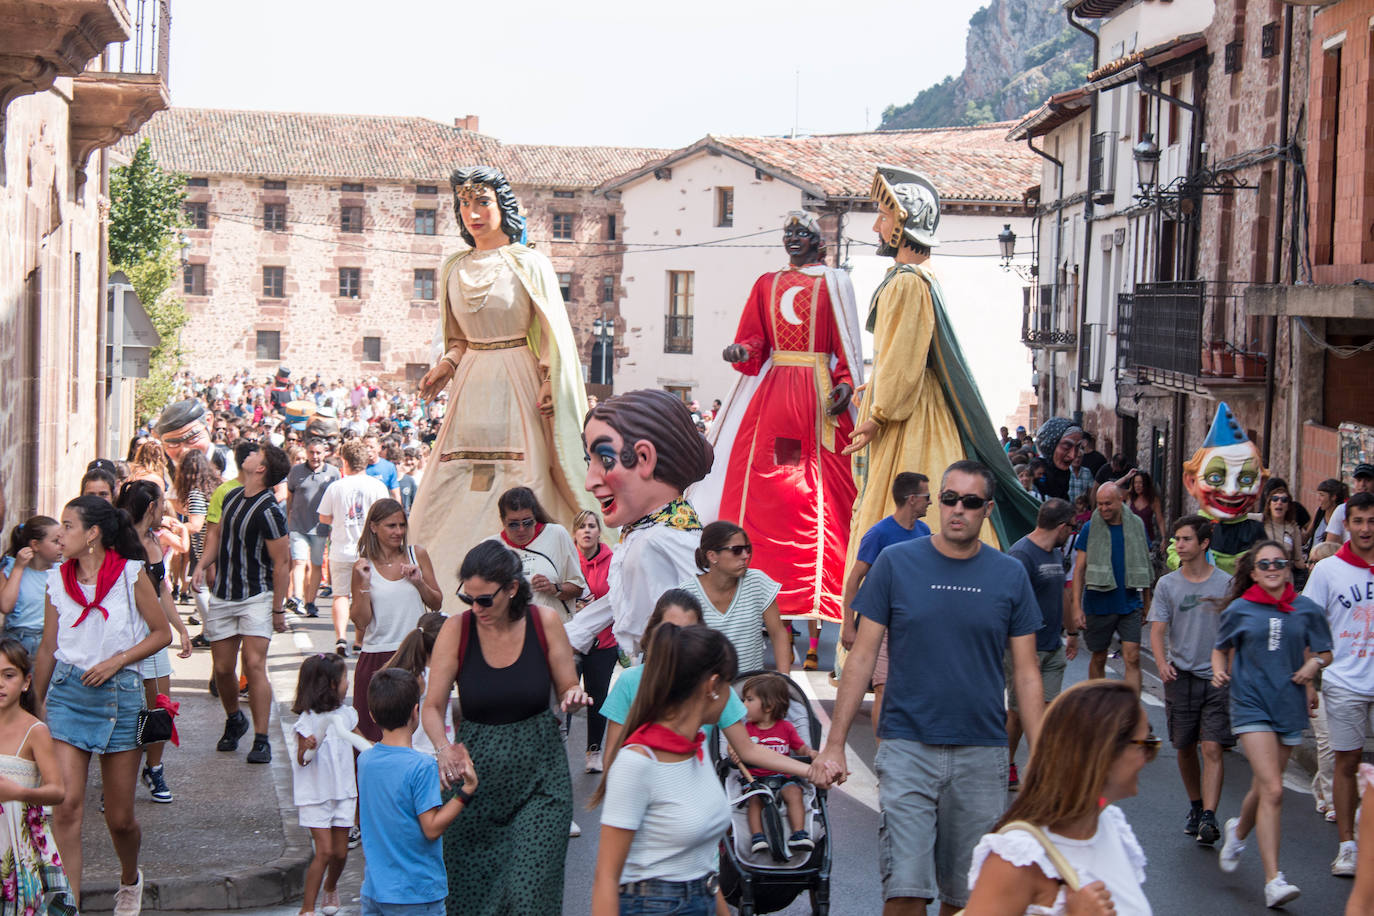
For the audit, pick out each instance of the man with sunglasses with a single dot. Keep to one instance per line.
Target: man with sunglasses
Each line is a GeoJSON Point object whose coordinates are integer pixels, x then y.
{"type": "Point", "coordinates": [1111, 570]}
{"type": "Point", "coordinates": [181, 427]}
{"type": "Point", "coordinates": [951, 606]}
{"type": "Point", "coordinates": [1343, 586]}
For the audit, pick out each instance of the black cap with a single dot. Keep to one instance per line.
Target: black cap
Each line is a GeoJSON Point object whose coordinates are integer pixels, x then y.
{"type": "Point", "coordinates": [103, 464]}
{"type": "Point", "coordinates": [1364, 470]}
{"type": "Point", "coordinates": [180, 414]}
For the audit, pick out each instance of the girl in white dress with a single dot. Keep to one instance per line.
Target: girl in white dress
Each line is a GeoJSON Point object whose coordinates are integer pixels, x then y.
{"type": "Point", "coordinates": [1094, 741]}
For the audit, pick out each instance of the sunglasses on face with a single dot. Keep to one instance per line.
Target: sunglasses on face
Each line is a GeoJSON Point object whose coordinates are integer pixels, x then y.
{"type": "Point", "coordinates": [739, 550]}
{"type": "Point", "coordinates": [516, 524]}
{"type": "Point", "coordinates": [479, 600]}
{"type": "Point", "coordinates": [1278, 499]}
{"type": "Point", "coordinates": [1150, 745]}
{"type": "Point", "coordinates": [183, 440]}
{"type": "Point", "coordinates": [968, 500]}
{"type": "Point", "coordinates": [1268, 565]}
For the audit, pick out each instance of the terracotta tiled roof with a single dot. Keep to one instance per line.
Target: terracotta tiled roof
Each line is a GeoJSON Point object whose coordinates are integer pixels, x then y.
{"type": "Point", "coordinates": [275, 144]}
{"type": "Point", "coordinates": [964, 163]}
{"type": "Point", "coordinates": [575, 165]}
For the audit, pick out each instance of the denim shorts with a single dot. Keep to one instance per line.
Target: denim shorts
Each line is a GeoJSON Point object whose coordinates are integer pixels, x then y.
{"type": "Point", "coordinates": [371, 907]}
{"type": "Point", "coordinates": [159, 664]}
{"type": "Point", "coordinates": [935, 803]}
{"type": "Point", "coordinates": [102, 720]}
{"type": "Point", "coordinates": [667, 898]}
{"type": "Point", "coordinates": [29, 638]}
{"type": "Point", "coordinates": [308, 547]}
{"type": "Point", "coordinates": [1287, 739]}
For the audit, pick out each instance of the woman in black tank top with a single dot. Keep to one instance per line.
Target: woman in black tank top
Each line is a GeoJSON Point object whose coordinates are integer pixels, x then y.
{"type": "Point", "coordinates": [508, 658]}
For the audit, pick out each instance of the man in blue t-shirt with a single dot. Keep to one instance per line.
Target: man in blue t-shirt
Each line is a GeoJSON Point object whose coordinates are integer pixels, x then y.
{"type": "Point", "coordinates": [381, 468]}
{"type": "Point", "coordinates": [1041, 553]}
{"type": "Point", "coordinates": [1111, 570]}
{"type": "Point", "coordinates": [952, 605]}
{"type": "Point", "coordinates": [911, 494]}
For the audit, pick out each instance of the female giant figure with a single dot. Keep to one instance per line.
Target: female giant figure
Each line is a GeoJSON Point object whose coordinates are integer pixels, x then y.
{"type": "Point", "coordinates": [510, 366]}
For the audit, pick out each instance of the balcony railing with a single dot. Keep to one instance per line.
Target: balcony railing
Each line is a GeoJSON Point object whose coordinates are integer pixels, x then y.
{"type": "Point", "coordinates": [1041, 326]}
{"type": "Point", "coordinates": [148, 50]}
{"type": "Point", "coordinates": [1166, 327]}
{"type": "Point", "coordinates": [1164, 336]}
{"type": "Point", "coordinates": [677, 333]}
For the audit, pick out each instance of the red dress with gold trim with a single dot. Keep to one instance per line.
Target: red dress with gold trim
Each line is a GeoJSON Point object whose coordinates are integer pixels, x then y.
{"type": "Point", "coordinates": [787, 482]}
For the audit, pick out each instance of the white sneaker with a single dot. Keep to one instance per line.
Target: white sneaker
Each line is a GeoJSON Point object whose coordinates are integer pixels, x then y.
{"type": "Point", "coordinates": [128, 900]}
{"type": "Point", "coordinates": [1231, 847]}
{"type": "Point", "coordinates": [594, 761]}
{"type": "Point", "coordinates": [574, 830]}
{"type": "Point", "coordinates": [1344, 863]}
{"type": "Point", "coordinates": [1279, 891]}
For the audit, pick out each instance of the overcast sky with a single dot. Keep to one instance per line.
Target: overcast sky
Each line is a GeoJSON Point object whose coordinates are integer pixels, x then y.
{"type": "Point", "coordinates": [621, 72]}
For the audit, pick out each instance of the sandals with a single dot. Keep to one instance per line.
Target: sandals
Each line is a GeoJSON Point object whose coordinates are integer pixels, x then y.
{"type": "Point", "coordinates": [813, 660]}
{"type": "Point", "coordinates": [341, 648]}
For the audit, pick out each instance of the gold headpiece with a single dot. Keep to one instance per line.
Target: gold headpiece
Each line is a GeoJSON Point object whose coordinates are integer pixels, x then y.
{"type": "Point", "coordinates": [468, 191]}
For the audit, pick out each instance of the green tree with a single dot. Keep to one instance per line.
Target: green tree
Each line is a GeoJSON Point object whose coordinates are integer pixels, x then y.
{"type": "Point", "coordinates": [145, 216]}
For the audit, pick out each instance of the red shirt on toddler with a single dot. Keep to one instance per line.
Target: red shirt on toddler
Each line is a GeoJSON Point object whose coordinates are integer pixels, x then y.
{"type": "Point", "coordinates": [781, 736]}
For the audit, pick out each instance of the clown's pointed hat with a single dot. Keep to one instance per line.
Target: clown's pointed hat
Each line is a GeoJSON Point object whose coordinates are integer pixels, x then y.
{"type": "Point", "coordinates": [1225, 429]}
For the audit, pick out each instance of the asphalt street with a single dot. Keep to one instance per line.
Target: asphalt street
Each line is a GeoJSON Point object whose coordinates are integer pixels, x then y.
{"type": "Point", "coordinates": [1181, 876]}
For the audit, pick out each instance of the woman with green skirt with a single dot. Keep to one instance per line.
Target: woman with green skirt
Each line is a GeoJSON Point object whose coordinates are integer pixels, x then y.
{"type": "Point", "coordinates": [505, 854]}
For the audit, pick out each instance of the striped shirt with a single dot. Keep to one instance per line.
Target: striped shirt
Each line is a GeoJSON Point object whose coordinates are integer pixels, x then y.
{"type": "Point", "coordinates": [247, 523]}
{"type": "Point", "coordinates": [197, 504]}
{"type": "Point", "coordinates": [742, 621]}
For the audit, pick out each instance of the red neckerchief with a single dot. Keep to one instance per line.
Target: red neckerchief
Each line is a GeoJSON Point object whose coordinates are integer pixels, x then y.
{"type": "Point", "coordinates": [538, 530]}
{"type": "Point", "coordinates": [1284, 602]}
{"type": "Point", "coordinates": [662, 738]}
{"type": "Point", "coordinates": [1349, 556]}
{"type": "Point", "coordinates": [110, 570]}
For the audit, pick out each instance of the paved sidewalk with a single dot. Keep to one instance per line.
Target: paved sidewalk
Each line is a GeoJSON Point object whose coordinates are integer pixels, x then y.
{"type": "Point", "coordinates": [230, 840]}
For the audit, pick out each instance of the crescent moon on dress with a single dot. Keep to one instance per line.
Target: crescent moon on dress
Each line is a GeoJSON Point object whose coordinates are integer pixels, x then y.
{"type": "Point", "coordinates": [787, 306]}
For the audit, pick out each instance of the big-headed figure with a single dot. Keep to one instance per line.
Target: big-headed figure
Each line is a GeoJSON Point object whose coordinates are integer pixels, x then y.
{"type": "Point", "coordinates": [782, 473]}
{"type": "Point", "coordinates": [511, 368]}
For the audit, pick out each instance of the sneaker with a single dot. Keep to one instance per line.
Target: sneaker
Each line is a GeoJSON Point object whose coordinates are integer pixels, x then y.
{"type": "Point", "coordinates": [800, 840]}
{"type": "Point", "coordinates": [1231, 848]}
{"type": "Point", "coordinates": [1344, 864]}
{"type": "Point", "coordinates": [1330, 817]}
{"type": "Point", "coordinates": [813, 660]}
{"type": "Point", "coordinates": [243, 685]}
{"type": "Point", "coordinates": [1013, 779]}
{"type": "Point", "coordinates": [329, 905]}
{"type": "Point", "coordinates": [1207, 830]}
{"type": "Point", "coordinates": [311, 610]}
{"type": "Point", "coordinates": [192, 620]}
{"type": "Point", "coordinates": [594, 761]}
{"type": "Point", "coordinates": [128, 900]}
{"type": "Point", "coordinates": [199, 641]}
{"type": "Point", "coordinates": [324, 592]}
{"type": "Point", "coordinates": [341, 648]}
{"type": "Point", "coordinates": [1279, 891]}
{"type": "Point", "coordinates": [1191, 824]}
{"type": "Point", "coordinates": [261, 752]}
{"type": "Point", "coordinates": [758, 843]}
{"type": "Point", "coordinates": [295, 606]}
{"type": "Point", "coordinates": [574, 830]}
{"type": "Point", "coordinates": [235, 727]}
{"type": "Point", "coordinates": [157, 785]}
{"type": "Point", "coordinates": [355, 837]}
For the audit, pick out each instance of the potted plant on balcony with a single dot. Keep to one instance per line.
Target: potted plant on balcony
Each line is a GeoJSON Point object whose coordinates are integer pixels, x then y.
{"type": "Point", "coordinates": [1218, 360]}
{"type": "Point", "coordinates": [1249, 365]}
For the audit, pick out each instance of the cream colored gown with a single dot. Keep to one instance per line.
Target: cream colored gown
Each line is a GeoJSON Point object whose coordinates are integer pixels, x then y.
{"type": "Point", "coordinates": [493, 436]}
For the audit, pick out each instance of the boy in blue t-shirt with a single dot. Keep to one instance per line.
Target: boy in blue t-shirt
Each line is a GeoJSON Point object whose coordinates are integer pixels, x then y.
{"type": "Point", "coordinates": [400, 809]}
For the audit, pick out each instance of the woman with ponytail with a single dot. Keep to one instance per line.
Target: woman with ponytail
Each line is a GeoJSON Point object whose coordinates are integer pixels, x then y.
{"type": "Point", "coordinates": [102, 619]}
{"type": "Point", "coordinates": [663, 809]}
{"type": "Point", "coordinates": [1271, 643]}
{"type": "Point", "coordinates": [34, 547]}
{"type": "Point", "coordinates": [413, 656]}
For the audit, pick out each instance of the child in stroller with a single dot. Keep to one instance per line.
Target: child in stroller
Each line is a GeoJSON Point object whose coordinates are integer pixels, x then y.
{"type": "Point", "coordinates": [766, 701]}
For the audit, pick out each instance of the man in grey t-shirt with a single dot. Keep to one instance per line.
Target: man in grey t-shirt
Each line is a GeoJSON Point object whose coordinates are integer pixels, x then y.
{"type": "Point", "coordinates": [305, 486]}
{"type": "Point", "coordinates": [1197, 712]}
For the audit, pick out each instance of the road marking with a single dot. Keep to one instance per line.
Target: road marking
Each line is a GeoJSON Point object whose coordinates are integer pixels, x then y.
{"type": "Point", "coordinates": [862, 785]}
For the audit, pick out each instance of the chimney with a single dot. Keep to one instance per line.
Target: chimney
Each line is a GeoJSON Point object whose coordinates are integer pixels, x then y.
{"type": "Point", "coordinates": [467, 122]}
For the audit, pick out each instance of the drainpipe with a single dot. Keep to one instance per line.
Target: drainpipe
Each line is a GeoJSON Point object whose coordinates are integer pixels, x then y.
{"type": "Point", "coordinates": [1087, 223]}
{"type": "Point", "coordinates": [1058, 239]}
{"type": "Point", "coordinates": [1277, 272]}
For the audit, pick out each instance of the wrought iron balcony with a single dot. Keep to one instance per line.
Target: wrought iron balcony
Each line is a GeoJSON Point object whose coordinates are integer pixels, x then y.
{"type": "Point", "coordinates": [1041, 328]}
{"type": "Point", "coordinates": [677, 333]}
{"type": "Point", "coordinates": [1160, 329]}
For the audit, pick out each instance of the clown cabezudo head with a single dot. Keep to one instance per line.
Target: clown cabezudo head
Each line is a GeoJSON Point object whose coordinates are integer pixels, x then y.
{"type": "Point", "coordinates": [643, 451]}
{"type": "Point", "coordinates": [1226, 474]}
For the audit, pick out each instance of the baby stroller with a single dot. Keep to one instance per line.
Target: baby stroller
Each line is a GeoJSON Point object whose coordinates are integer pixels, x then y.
{"type": "Point", "coordinates": [767, 881]}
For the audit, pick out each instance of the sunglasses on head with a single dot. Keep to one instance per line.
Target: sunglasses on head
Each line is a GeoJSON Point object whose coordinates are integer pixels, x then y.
{"type": "Point", "coordinates": [969, 500]}
{"type": "Point", "coordinates": [739, 550]}
{"type": "Point", "coordinates": [1150, 745]}
{"type": "Point", "coordinates": [517, 523]}
{"type": "Point", "coordinates": [479, 600]}
{"type": "Point", "coordinates": [1268, 565]}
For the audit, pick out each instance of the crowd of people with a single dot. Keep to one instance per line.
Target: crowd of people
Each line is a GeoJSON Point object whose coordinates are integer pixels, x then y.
{"type": "Point", "coordinates": [237, 510]}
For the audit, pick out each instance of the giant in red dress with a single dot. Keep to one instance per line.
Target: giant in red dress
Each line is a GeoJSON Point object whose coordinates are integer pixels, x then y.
{"type": "Point", "coordinates": [786, 481]}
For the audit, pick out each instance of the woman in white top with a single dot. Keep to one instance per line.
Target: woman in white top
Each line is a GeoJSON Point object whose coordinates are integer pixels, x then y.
{"type": "Point", "coordinates": [102, 619]}
{"type": "Point", "coordinates": [393, 584]}
{"type": "Point", "coordinates": [739, 601]}
{"type": "Point", "coordinates": [552, 565]}
{"type": "Point", "coordinates": [663, 809]}
{"type": "Point", "coordinates": [1094, 741]}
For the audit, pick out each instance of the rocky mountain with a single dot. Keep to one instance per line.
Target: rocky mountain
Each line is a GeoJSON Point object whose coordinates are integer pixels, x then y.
{"type": "Point", "coordinates": [1018, 53]}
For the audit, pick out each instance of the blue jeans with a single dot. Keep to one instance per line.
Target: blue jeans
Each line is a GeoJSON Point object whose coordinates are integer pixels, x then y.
{"type": "Point", "coordinates": [371, 907]}
{"type": "Point", "coordinates": [667, 898]}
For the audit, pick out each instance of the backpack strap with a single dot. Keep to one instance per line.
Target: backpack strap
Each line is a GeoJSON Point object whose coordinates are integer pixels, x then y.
{"type": "Point", "coordinates": [535, 620]}
{"type": "Point", "coordinates": [538, 620]}
{"type": "Point", "coordinates": [464, 633]}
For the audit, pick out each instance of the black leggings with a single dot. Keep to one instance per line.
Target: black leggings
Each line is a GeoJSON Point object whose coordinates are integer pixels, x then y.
{"type": "Point", "coordinates": [597, 667]}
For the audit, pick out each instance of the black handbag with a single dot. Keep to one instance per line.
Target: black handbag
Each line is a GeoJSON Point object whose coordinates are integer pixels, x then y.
{"type": "Point", "coordinates": [154, 725]}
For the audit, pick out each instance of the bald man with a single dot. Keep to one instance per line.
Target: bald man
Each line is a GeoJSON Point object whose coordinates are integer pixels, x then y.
{"type": "Point", "coordinates": [1111, 571]}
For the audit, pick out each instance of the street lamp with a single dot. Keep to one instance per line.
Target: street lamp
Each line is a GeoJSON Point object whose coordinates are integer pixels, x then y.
{"type": "Point", "coordinates": [1146, 156]}
{"type": "Point", "coordinates": [1006, 241]}
{"type": "Point", "coordinates": [604, 330]}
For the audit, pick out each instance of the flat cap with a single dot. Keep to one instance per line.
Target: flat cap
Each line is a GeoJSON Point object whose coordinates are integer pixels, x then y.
{"type": "Point", "coordinates": [180, 414]}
